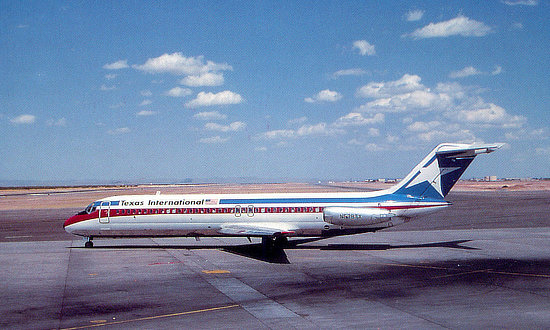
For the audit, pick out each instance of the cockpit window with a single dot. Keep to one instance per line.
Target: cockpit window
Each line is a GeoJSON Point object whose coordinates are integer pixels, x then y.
{"type": "Point", "coordinates": [89, 209]}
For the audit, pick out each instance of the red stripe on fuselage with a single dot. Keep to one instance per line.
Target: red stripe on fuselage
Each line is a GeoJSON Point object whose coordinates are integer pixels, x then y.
{"type": "Point", "coordinates": [80, 217]}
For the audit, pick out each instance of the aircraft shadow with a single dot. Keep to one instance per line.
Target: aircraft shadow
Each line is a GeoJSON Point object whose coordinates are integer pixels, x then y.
{"type": "Point", "coordinates": [373, 247]}
{"type": "Point", "coordinates": [277, 255]}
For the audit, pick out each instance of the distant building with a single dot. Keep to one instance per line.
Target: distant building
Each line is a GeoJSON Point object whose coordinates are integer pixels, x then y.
{"type": "Point", "coordinates": [491, 178]}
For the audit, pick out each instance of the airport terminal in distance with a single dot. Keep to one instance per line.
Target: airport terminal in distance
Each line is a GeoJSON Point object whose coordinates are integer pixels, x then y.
{"type": "Point", "coordinates": [484, 261]}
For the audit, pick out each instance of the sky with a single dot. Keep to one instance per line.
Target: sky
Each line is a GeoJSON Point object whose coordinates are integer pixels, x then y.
{"type": "Point", "coordinates": [128, 91]}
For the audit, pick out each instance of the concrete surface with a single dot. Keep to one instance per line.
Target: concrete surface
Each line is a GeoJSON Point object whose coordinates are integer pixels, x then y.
{"type": "Point", "coordinates": [414, 279]}
{"type": "Point", "coordinates": [489, 268]}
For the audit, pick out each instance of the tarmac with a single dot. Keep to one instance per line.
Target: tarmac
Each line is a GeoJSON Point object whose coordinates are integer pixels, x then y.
{"type": "Point", "coordinates": [470, 266]}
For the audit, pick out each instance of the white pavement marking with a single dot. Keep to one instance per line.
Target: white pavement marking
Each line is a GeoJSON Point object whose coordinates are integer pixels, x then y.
{"type": "Point", "coordinates": [261, 307]}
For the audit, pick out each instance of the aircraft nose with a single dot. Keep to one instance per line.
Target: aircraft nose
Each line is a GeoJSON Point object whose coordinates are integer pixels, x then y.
{"type": "Point", "coordinates": [69, 221]}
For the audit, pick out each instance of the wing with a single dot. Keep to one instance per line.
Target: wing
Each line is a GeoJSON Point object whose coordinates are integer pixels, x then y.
{"type": "Point", "coordinates": [258, 229]}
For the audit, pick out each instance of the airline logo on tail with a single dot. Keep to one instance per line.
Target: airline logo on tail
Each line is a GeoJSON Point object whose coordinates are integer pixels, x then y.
{"type": "Point", "coordinates": [440, 170]}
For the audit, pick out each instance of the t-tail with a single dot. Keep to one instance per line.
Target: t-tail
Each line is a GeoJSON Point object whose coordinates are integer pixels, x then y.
{"type": "Point", "coordinates": [436, 174]}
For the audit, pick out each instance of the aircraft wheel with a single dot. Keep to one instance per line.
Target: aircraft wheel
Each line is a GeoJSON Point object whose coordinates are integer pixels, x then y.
{"type": "Point", "coordinates": [281, 242]}
{"type": "Point", "coordinates": [89, 244]}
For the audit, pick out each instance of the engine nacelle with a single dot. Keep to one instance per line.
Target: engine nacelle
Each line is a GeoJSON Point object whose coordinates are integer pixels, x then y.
{"type": "Point", "coordinates": [356, 216]}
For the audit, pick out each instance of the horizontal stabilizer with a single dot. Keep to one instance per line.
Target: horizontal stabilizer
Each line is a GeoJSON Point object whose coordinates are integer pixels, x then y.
{"type": "Point", "coordinates": [472, 150]}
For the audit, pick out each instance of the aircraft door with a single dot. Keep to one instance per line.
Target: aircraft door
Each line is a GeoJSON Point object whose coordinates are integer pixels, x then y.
{"type": "Point", "coordinates": [104, 212]}
{"type": "Point", "coordinates": [238, 211]}
{"type": "Point", "coordinates": [250, 210]}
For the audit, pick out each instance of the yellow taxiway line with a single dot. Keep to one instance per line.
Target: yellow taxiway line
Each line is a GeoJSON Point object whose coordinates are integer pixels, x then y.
{"type": "Point", "coordinates": [152, 317]}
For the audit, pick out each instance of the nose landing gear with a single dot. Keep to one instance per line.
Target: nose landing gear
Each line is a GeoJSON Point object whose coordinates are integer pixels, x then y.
{"type": "Point", "coordinates": [89, 243]}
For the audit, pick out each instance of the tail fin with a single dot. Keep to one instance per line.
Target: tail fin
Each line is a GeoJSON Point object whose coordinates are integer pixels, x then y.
{"type": "Point", "coordinates": [436, 174]}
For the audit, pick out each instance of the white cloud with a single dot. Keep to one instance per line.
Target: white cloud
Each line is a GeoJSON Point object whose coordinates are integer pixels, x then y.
{"type": "Point", "coordinates": [460, 136]}
{"type": "Point", "coordinates": [179, 64]}
{"type": "Point", "coordinates": [449, 111]}
{"type": "Point", "coordinates": [420, 99]}
{"type": "Point", "coordinates": [517, 26]}
{"type": "Point", "coordinates": [24, 119]}
{"type": "Point", "coordinates": [61, 122]}
{"type": "Point", "coordinates": [420, 126]}
{"type": "Point", "coordinates": [209, 115]}
{"type": "Point", "coordinates": [122, 64]}
{"type": "Point", "coordinates": [205, 79]}
{"type": "Point", "coordinates": [490, 114]}
{"type": "Point", "coordinates": [392, 138]}
{"type": "Point", "coordinates": [214, 140]}
{"type": "Point", "coordinates": [467, 71]}
{"type": "Point", "coordinates": [521, 2]}
{"type": "Point", "coordinates": [373, 147]}
{"type": "Point", "coordinates": [317, 129]}
{"type": "Point", "coordinates": [355, 142]}
{"type": "Point", "coordinates": [179, 92]}
{"type": "Point", "coordinates": [461, 25]}
{"type": "Point", "coordinates": [111, 76]}
{"type": "Point", "coordinates": [145, 102]}
{"type": "Point", "coordinates": [116, 105]}
{"type": "Point", "coordinates": [407, 83]}
{"type": "Point", "coordinates": [260, 149]}
{"type": "Point", "coordinates": [373, 132]}
{"type": "Point", "coordinates": [120, 130]}
{"type": "Point", "coordinates": [452, 90]}
{"type": "Point", "coordinates": [146, 93]}
{"type": "Point", "coordinates": [448, 101]}
{"type": "Point", "coordinates": [320, 129]}
{"type": "Point", "coordinates": [279, 133]}
{"type": "Point", "coordinates": [146, 113]}
{"type": "Point", "coordinates": [511, 136]}
{"type": "Point", "coordinates": [209, 99]}
{"type": "Point", "coordinates": [324, 96]}
{"type": "Point", "coordinates": [107, 88]}
{"type": "Point", "coordinates": [364, 47]}
{"type": "Point", "coordinates": [299, 120]}
{"type": "Point", "coordinates": [349, 72]}
{"type": "Point", "coordinates": [357, 119]}
{"type": "Point", "coordinates": [407, 94]}
{"type": "Point", "coordinates": [233, 127]}
{"type": "Point", "coordinates": [414, 15]}
{"type": "Point", "coordinates": [497, 70]}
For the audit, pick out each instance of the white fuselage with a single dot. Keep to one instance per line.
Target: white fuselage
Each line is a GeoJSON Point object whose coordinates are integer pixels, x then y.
{"type": "Point", "coordinates": [297, 214]}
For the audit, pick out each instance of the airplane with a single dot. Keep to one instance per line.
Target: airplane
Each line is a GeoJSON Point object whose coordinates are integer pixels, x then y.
{"type": "Point", "coordinates": [274, 217]}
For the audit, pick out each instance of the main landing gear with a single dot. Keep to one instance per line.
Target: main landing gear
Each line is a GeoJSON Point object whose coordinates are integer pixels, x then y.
{"type": "Point", "coordinates": [270, 244]}
{"type": "Point", "coordinates": [89, 243]}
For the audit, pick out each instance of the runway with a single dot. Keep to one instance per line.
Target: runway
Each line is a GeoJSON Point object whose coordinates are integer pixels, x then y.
{"type": "Point", "coordinates": [494, 275]}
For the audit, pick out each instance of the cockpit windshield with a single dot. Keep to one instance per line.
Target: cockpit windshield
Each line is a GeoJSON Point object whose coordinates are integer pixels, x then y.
{"type": "Point", "coordinates": [89, 209]}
